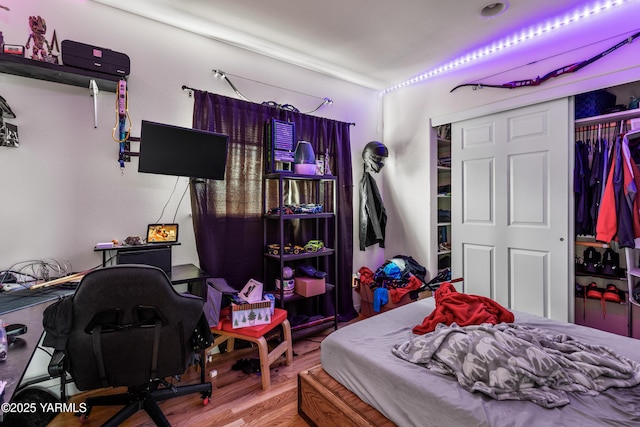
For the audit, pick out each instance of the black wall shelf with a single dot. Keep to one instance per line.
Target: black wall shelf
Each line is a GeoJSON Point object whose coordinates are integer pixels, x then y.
{"type": "Point", "coordinates": [20, 66]}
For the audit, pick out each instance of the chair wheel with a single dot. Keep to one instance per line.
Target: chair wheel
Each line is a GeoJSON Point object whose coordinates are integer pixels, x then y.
{"type": "Point", "coordinates": [205, 401]}
{"type": "Point", "coordinates": [83, 418]}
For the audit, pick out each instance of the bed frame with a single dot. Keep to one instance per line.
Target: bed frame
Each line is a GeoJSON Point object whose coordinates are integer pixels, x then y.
{"type": "Point", "coordinates": [322, 401]}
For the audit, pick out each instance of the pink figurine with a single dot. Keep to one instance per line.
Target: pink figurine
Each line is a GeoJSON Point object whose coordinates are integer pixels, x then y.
{"type": "Point", "coordinates": [38, 29]}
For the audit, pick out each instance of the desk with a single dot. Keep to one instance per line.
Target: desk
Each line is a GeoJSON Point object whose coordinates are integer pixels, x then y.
{"type": "Point", "coordinates": [158, 254]}
{"type": "Point", "coordinates": [21, 351]}
{"type": "Point", "coordinates": [27, 306]}
{"type": "Point", "coordinates": [189, 274]}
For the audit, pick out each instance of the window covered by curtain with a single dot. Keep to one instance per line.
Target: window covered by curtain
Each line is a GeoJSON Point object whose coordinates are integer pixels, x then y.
{"type": "Point", "coordinates": [227, 215]}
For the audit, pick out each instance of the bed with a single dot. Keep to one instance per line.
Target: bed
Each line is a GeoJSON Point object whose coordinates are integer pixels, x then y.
{"type": "Point", "coordinates": [360, 382]}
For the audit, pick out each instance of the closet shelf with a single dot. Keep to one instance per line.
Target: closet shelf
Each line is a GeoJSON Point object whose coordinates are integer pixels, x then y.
{"type": "Point", "coordinates": [607, 118]}
{"type": "Point", "coordinates": [593, 244]}
{"type": "Point", "coordinates": [635, 272]}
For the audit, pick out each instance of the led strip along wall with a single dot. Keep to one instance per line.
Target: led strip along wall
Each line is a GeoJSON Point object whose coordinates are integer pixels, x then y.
{"type": "Point", "coordinates": [522, 36]}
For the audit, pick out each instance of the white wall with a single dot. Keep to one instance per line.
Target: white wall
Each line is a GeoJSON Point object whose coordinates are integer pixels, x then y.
{"type": "Point", "coordinates": [408, 178]}
{"type": "Point", "coordinates": [62, 190]}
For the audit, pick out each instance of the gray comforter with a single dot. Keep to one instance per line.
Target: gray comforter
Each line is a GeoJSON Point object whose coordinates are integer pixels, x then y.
{"type": "Point", "coordinates": [518, 362]}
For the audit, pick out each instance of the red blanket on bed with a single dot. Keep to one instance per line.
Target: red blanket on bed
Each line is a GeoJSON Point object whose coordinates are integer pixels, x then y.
{"type": "Point", "coordinates": [463, 309]}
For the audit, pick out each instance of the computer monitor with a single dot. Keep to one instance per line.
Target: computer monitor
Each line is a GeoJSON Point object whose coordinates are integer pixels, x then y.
{"type": "Point", "coordinates": [173, 150]}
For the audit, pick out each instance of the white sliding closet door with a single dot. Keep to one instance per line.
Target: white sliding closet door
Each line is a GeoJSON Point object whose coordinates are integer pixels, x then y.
{"type": "Point", "coordinates": [510, 207]}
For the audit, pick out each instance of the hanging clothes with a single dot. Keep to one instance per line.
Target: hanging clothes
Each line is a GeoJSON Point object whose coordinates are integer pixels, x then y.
{"type": "Point", "coordinates": [596, 182]}
{"type": "Point", "coordinates": [581, 177]}
{"type": "Point", "coordinates": [373, 216]}
{"type": "Point", "coordinates": [619, 217]}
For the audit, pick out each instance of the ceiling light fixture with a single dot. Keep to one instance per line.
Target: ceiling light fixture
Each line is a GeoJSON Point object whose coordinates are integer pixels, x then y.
{"type": "Point", "coordinates": [513, 40]}
{"type": "Point", "coordinates": [494, 9]}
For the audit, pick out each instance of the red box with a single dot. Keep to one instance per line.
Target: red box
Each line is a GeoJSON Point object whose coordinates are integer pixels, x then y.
{"type": "Point", "coordinates": [308, 287]}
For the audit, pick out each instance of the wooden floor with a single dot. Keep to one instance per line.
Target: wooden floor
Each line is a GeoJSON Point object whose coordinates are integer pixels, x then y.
{"type": "Point", "coordinates": [237, 399]}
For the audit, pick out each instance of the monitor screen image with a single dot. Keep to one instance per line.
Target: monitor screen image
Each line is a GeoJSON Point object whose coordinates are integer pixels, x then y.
{"type": "Point", "coordinates": [162, 233]}
{"type": "Point", "coordinates": [172, 150]}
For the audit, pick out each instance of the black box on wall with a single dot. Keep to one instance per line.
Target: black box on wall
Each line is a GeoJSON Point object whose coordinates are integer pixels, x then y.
{"type": "Point", "coordinates": [88, 57]}
{"type": "Point", "coordinates": [158, 257]}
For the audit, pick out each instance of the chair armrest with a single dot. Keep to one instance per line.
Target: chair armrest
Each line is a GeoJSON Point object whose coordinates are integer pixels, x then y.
{"type": "Point", "coordinates": [56, 364]}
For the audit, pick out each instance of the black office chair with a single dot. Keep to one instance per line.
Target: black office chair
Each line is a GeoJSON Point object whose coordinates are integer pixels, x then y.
{"type": "Point", "coordinates": [131, 328]}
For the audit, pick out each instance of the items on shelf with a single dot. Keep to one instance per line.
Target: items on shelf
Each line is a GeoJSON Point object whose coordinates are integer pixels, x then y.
{"type": "Point", "coordinates": [297, 271]}
{"type": "Point", "coordinates": [42, 50]}
{"type": "Point", "coordinates": [307, 270]}
{"type": "Point", "coordinates": [444, 202]}
{"type": "Point", "coordinates": [444, 215]}
{"type": "Point", "coordinates": [444, 246]}
{"type": "Point", "coordinates": [94, 58]}
{"type": "Point", "coordinates": [444, 161]}
{"type": "Point", "coordinates": [609, 294]}
{"type": "Point", "coordinates": [314, 246]}
{"type": "Point", "coordinates": [607, 264]}
{"type": "Point", "coordinates": [444, 190]}
{"type": "Point", "coordinates": [304, 208]}
{"type": "Point", "coordinates": [442, 235]}
{"type": "Point", "coordinates": [444, 263]}
{"type": "Point", "coordinates": [251, 306]}
{"type": "Point", "coordinates": [287, 249]}
{"type": "Point", "coordinates": [304, 159]}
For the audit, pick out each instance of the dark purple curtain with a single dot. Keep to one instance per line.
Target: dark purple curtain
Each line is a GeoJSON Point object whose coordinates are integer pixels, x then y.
{"type": "Point", "coordinates": [227, 215]}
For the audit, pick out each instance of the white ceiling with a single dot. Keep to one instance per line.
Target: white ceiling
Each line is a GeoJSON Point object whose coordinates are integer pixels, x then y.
{"type": "Point", "coordinates": [374, 43]}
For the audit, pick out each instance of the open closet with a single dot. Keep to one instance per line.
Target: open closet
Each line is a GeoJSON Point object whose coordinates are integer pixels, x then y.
{"type": "Point", "coordinates": [607, 149]}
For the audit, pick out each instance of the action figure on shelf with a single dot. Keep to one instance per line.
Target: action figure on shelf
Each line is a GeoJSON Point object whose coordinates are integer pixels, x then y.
{"type": "Point", "coordinates": [327, 167]}
{"type": "Point", "coordinates": [38, 29]}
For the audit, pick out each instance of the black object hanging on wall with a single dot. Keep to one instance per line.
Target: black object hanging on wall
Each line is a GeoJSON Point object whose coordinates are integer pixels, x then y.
{"type": "Point", "coordinates": [8, 131]}
{"type": "Point", "coordinates": [373, 216]}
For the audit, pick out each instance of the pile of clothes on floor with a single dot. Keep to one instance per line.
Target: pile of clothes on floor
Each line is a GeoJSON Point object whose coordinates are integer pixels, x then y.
{"type": "Point", "coordinates": [393, 279]}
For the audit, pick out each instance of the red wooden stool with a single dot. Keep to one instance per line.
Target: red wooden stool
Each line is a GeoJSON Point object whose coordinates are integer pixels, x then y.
{"type": "Point", "coordinates": [256, 334]}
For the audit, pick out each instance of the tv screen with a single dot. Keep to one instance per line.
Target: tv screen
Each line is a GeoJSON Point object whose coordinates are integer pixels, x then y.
{"type": "Point", "coordinates": [172, 150]}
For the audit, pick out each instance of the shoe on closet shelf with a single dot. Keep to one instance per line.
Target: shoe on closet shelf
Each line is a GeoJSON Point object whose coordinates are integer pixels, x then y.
{"type": "Point", "coordinates": [612, 294]}
{"type": "Point", "coordinates": [610, 263]}
{"type": "Point", "coordinates": [593, 291]}
{"type": "Point", "coordinates": [579, 290]}
{"type": "Point", "coordinates": [591, 260]}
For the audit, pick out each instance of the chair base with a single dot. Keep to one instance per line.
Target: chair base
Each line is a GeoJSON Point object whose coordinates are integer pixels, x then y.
{"type": "Point", "coordinates": [145, 399]}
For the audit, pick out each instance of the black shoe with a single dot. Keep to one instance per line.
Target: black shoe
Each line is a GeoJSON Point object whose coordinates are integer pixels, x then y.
{"type": "Point", "coordinates": [591, 260]}
{"type": "Point", "coordinates": [610, 263]}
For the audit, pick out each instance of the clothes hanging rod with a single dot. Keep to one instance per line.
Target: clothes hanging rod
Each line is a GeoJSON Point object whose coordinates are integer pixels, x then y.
{"type": "Point", "coordinates": [191, 90]}
{"type": "Point", "coordinates": [223, 74]}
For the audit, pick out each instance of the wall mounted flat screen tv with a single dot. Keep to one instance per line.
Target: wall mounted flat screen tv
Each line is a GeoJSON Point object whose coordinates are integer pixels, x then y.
{"type": "Point", "coordinates": [172, 150]}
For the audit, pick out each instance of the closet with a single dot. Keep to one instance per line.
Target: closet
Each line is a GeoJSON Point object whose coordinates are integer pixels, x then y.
{"type": "Point", "coordinates": [603, 278]}
{"type": "Point", "coordinates": [513, 234]}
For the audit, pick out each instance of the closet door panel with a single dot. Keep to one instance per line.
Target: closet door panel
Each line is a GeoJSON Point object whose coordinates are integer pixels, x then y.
{"type": "Point", "coordinates": [529, 281]}
{"type": "Point", "coordinates": [479, 277]}
{"type": "Point", "coordinates": [478, 191]}
{"type": "Point", "coordinates": [510, 192]}
{"type": "Point", "coordinates": [528, 190]}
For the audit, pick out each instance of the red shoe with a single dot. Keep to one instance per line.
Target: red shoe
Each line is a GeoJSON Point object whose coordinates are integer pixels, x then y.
{"type": "Point", "coordinates": [593, 291]}
{"type": "Point", "coordinates": [611, 294]}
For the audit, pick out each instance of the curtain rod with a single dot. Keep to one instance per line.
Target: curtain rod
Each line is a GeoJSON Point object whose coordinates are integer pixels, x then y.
{"type": "Point", "coordinates": [191, 90]}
